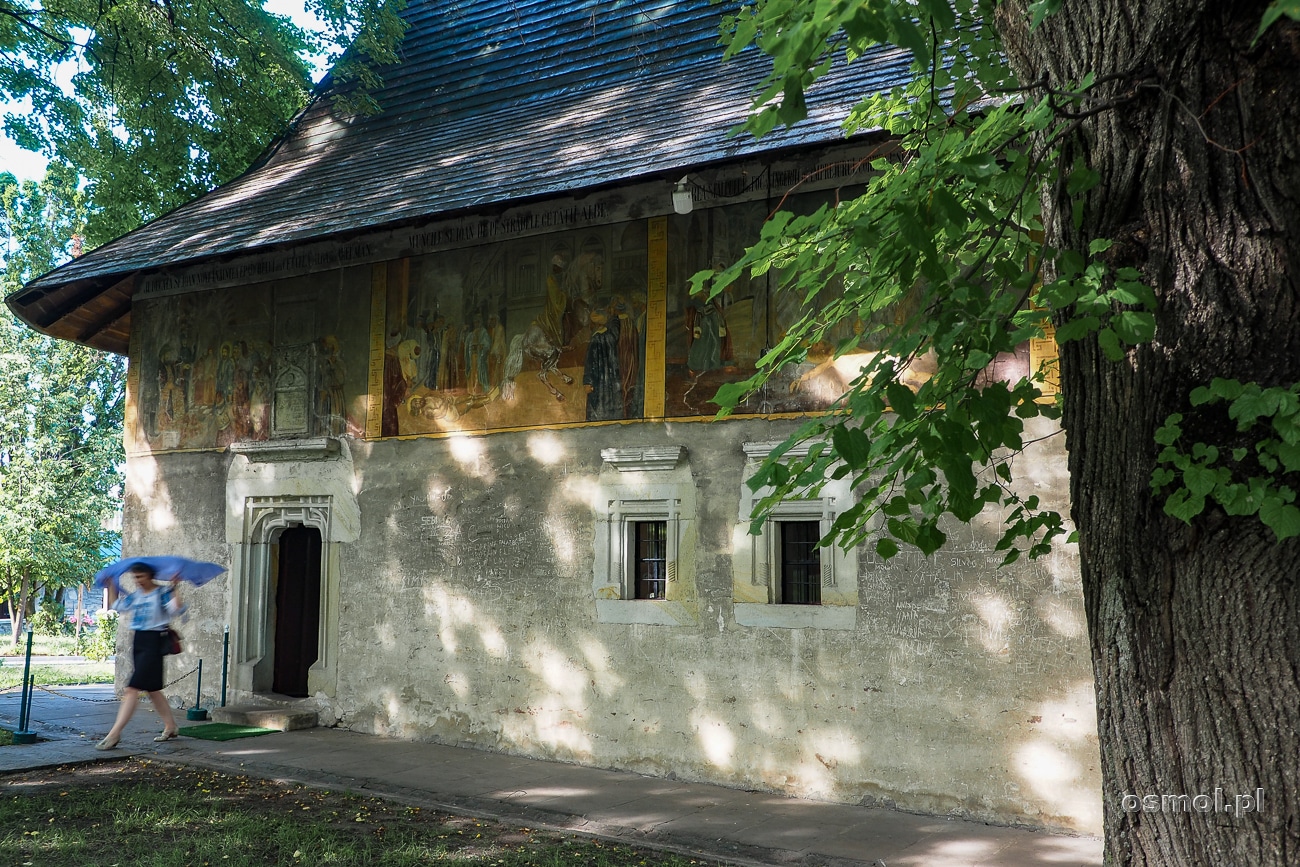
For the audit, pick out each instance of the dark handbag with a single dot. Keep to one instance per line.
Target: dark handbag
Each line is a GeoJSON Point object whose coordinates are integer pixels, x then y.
{"type": "Point", "coordinates": [173, 643]}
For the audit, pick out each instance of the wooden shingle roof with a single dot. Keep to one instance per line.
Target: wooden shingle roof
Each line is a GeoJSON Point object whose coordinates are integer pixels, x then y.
{"type": "Point", "coordinates": [492, 103]}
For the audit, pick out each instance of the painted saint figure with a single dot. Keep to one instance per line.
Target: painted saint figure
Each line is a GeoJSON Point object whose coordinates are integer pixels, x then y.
{"type": "Point", "coordinates": [330, 406]}
{"type": "Point", "coordinates": [630, 349]}
{"type": "Point", "coordinates": [600, 374]}
{"type": "Point", "coordinates": [710, 347]}
{"type": "Point", "coordinates": [477, 344]}
{"type": "Point", "coordinates": [551, 320]}
{"type": "Point", "coordinates": [496, 350]}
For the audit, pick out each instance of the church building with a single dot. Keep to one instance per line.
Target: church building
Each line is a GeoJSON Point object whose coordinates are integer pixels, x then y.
{"type": "Point", "coordinates": [432, 384]}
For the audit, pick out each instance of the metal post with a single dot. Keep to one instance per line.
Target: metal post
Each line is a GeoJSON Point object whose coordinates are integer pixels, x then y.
{"type": "Point", "coordinates": [197, 712]}
{"type": "Point", "coordinates": [225, 660]}
{"type": "Point", "coordinates": [23, 736]}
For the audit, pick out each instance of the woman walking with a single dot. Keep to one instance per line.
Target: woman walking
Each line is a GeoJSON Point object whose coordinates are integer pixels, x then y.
{"type": "Point", "coordinates": [151, 607]}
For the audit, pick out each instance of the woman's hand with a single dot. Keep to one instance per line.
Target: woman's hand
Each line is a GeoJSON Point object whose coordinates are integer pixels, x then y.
{"type": "Point", "coordinates": [175, 605]}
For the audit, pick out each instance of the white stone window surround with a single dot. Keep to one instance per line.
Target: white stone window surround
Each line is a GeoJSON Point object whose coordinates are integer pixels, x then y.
{"type": "Point", "coordinates": [645, 484]}
{"type": "Point", "coordinates": [756, 559]}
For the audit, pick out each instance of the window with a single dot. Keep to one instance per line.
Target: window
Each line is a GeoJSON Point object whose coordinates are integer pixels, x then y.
{"type": "Point", "coordinates": [801, 563]}
{"type": "Point", "coordinates": [650, 559]}
{"type": "Point", "coordinates": [644, 564]}
{"type": "Point", "coordinates": [783, 577]}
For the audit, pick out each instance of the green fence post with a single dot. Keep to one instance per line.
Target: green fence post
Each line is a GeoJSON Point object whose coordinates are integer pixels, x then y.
{"type": "Point", "coordinates": [225, 661]}
{"type": "Point", "coordinates": [23, 736]}
{"type": "Point", "coordinates": [196, 712]}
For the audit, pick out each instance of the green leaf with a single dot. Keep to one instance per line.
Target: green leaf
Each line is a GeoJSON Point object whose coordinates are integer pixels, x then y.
{"type": "Point", "coordinates": [1275, 10]}
{"type": "Point", "coordinates": [901, 400]}
{"type": "Point", "coordinates": [945, 205]}
{"type": "Point", "coordinates": [1289, 454]}
{"type": "Point", "coordinates": [886, 548]}
{"type": "Point", "coordinates": [1040, 9]}
{"type": "Point", "coordinates": [851, 444]}
{"type": "Point", "coordinates": [1253, 403]}
{"type": "Point", "coordinates": [1184, 505]}
{"type": "Point", "coordinates": [1109, 343]}
{"type": "Point", "coordinates": [1076, 328]}
{"type": "Point", "coordinates": [978, 165]}
{"type": "Point", "coordinates": [1280, 517]}
{"type": "Point", "coordinates": [1134, 327]}
{"type": "Point", "coordinates": [1131, 292]}
{"type": "Point", "coordinates": [929, 538]}
{"type": "Point", "coordinates": [1200, 480]}
{"type": "Point", "coordinates": [1226, 388]}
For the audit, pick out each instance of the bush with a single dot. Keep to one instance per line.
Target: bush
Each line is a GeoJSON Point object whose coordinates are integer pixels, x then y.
{"type": "Point", "coordinates": [48, 619]}
{"type": "Point", "coordinates": [100, 643]}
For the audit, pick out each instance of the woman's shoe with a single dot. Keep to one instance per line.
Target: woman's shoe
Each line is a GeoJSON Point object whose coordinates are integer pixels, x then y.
{"type": "Point", "coordinates": [109, 742]}
{"type": "Point", "coordinates": [167, 736]}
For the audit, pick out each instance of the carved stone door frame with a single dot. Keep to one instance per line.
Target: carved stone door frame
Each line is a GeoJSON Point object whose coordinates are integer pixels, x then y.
{"type": "Point", "coordinates": [253, 625]}
{"type": "Point", "coordinates": [271, 486]}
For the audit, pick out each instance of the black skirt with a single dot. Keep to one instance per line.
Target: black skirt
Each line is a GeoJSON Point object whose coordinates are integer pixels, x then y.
{"type": "Point", "coordinates": [147, 659]}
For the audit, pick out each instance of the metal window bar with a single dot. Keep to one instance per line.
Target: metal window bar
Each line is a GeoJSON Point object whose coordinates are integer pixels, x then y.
{"type": "Point", "coordinates": [801, 571]}
{"type": "Point", "coordinates": [650, 559]}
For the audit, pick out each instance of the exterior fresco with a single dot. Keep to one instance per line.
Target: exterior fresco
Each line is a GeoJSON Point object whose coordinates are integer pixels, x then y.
{"type": "Point", "coordinates": [543, 331]}
{"type": "Point", "coordinates": [247, 364]}
{"type": "Point", "coordinates": [553, 330]}
{"type": "Point", "coordinates": [536, 331]}
{"type": "Point", "coordinates": [716, 341]}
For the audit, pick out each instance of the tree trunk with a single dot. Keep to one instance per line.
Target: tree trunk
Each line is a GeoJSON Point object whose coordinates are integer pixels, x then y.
{"type": "Point", "coordinates": [1194, 630]}
{"type": "Point", "coordinates": [19, 619]}
{"type": "Point", "coordinates": [11, 599]}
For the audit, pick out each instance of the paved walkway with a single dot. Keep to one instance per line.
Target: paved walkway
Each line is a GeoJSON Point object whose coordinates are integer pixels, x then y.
{"type": "Point", "coordinates": [738, 827]}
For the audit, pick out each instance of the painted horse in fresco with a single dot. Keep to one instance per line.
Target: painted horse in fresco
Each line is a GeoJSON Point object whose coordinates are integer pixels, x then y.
{"type": "Point", "coordinates": [535, 346]}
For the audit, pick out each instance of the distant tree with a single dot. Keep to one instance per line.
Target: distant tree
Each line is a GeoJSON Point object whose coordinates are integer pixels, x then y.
{"type": "Point", "coordinates": [1125, 173]}
{"type": "Point", "coordinates": [61, 408]}
{"type": "Point", "coordinates": [155, 103]}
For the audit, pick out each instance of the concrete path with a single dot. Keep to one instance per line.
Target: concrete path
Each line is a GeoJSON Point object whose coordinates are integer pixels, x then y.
{"type": "Point", "coordinates": [737, 827]}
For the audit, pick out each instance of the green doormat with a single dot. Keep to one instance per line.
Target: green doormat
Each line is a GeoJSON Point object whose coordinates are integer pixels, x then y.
{"type": "Point", "coordinates": [223, 731]}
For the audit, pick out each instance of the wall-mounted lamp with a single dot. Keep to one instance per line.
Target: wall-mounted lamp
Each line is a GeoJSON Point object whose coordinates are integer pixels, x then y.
{"type": "Point", "coordinates": [682, 202]}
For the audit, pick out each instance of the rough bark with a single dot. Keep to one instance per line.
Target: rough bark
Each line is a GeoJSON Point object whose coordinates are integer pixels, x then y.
{"type": "Point", "coordinates": [1195, 630]}
{"type": "Point", "coordinates": [18, 618]}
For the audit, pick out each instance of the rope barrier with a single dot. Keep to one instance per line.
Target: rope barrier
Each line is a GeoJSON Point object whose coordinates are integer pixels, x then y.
{"type": "Point", "coordinates": [99, 700]}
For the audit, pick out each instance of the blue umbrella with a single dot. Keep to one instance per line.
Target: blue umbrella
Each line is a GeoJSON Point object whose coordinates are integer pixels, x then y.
{"type": "Point", "coordinates": [165, 568]}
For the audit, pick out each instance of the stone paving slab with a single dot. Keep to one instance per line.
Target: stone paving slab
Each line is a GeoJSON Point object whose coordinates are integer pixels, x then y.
{"type": "Point", "coordinates": [738, 827]}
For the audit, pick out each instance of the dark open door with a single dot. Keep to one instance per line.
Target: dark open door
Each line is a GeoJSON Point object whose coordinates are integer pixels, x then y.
{"type": "Point", "coordinates": [297, 609]}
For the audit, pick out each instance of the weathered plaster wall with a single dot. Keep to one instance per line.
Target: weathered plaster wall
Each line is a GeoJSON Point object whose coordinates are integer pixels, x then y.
{"type": "Point", "coordinates": [467, 616]}
{"type": "Point", "coordinates": [174, 504]}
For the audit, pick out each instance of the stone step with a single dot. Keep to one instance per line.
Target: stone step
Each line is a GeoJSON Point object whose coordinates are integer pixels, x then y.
{"type": "Point", "coordinates": [280, 718]}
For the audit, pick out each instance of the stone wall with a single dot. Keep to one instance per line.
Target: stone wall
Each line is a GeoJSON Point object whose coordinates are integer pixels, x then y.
{"type": "Point", "coordinates": [466, 615]}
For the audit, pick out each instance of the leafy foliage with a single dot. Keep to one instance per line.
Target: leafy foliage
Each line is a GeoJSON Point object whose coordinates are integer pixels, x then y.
{"type": "Point", "coordinates": [1276, 9]}
{"type": "Point", "coordinates": [60, 411]}
{"type": "Point", "coordinates": [49, 618]}
{"type": "Point", "coordinates": [100, 643]}
{"type": "Point", "coordinates": [938, 265]}
{"type": "Point", "coordinates": [1259, 476]}
{"type": "Point", "coordinates": [155, 103]}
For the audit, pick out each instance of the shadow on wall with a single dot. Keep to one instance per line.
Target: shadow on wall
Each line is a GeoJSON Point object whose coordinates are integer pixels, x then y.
{"type": "Point", "coordinates": [480, 628]}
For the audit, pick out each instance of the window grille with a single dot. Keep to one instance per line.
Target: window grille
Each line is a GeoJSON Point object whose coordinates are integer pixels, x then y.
{"type": "Point", "coordinates": [650, 559]}
{"type": "Point", "coordinates": [801, 570]}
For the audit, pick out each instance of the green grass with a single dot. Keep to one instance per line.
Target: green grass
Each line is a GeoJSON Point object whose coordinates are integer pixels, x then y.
{"type": "Point", "coordinates": [145, 814]}
{"type": "Point", "coordinates": [42, 645]}
{"type": "Point", "coordinates": [11, 674]}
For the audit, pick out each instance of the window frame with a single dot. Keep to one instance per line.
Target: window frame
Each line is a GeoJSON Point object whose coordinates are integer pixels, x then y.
{"type": "Point", "coordinates": [756, 591]}
{"type": "Point", "coordinates": [637, 556]}
{"type": "Point", "coordinates": [639, 486]}
{"type": "Point", "coordinates": [786, 585]}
